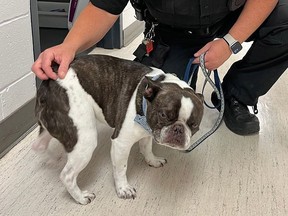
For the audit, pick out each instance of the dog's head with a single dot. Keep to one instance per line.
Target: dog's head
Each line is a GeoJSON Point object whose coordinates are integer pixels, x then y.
{"type": "Point", "coordinates": [174, 111]}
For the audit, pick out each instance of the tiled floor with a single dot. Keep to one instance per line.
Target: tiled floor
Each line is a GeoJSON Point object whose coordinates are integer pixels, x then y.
{"type": "Point", "coordinates": [226, 175]}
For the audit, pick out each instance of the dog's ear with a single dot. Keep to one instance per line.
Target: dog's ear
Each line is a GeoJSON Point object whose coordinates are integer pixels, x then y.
{"type": "Point", "coordinates": [200, 96]}
{"type": "Point", "coordinates": [151, 89]}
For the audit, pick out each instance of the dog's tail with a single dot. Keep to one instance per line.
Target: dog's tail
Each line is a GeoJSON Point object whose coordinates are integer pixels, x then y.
{"type": "Point", "coordinates": [41, 143]}
{"type": "Point", "coordinates": [41, 97]}
{"type": "Point", "coordinates": [49, 148]}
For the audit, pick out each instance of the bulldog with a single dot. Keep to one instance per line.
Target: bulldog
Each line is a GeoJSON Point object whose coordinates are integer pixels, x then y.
{"type": "Point", "coordinates": [139, 102]}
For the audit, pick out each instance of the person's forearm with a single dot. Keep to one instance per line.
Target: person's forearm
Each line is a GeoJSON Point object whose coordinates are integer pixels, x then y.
{"type": "Point", "coordinates": [253, 15]}
{"type": "Point", "coordinates": [89, 28]}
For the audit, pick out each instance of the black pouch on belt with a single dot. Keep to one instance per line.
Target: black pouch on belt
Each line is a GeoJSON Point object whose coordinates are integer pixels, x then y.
{"type": "Point", "coordinates": [140, 52]}
{"type": "Point", "coordinates": [160, 54]}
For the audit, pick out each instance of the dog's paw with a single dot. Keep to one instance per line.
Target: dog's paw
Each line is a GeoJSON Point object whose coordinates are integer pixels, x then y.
{"type": "Point", "coordinates": [86, 198]}
{"type": "Point", "coordinates": [126, 192]}
{"type": "Point", "coordinates": [156, 162]}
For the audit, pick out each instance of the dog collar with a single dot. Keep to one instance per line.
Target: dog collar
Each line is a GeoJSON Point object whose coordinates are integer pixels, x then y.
{"type": "Point", "coordinates": [141, 119]}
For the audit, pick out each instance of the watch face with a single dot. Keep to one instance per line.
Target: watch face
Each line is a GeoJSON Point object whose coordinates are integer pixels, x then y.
{"type": "Point", "coordinates": [236, 47]}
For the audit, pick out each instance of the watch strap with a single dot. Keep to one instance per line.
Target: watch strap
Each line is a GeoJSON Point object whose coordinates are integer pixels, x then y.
{"type": "Point", "coordinates": [234, 45]}
{"type": "Point", "coordinates": [229, 39]}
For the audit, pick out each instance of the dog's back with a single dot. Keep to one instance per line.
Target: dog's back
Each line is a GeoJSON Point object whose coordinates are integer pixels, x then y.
{"type": "Point", "coordinates": [110, 81]}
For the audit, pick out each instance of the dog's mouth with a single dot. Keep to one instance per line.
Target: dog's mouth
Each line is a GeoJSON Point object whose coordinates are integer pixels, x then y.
{"type": "Point", "coordinates": [175, 137]}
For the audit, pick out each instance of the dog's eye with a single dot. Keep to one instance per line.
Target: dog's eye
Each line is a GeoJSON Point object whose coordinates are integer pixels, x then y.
{"type": "Point", "coordinates": [192, 124]}
{"type": "Point", "coordinates": [195, 126]}
{"type": "Point", "coordinates": [167, 116]}
{"type": "Point", "coordinates": [162, 115]}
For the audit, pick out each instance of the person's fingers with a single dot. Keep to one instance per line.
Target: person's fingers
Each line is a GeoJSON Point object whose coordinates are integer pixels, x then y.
{"type": "Point", "coordinates": [36, 68]}
{"type": "Point", "coordinates": [41, 75]}
{"type": "Point", "coordinates": [197, 59]}
{"type": "Point", "coordinates": [202, 50]}
{"type": "Point", "coordinates": [63, 68]}
{"type": "Point", "coordinates": [47, 60]}
{"type": "Point", "coordinates": [208, 64]}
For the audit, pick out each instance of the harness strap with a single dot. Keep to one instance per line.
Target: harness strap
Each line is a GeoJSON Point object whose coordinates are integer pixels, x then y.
{"type": "Point", "coordinates": [142, 119]}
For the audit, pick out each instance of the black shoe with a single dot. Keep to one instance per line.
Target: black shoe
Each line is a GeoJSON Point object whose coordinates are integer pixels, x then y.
{"type": "Point", "coordinates": [237, 116]}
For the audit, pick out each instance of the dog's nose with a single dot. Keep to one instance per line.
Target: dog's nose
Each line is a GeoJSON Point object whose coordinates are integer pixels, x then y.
{"type": "Point", "coordinates": [178, 129]}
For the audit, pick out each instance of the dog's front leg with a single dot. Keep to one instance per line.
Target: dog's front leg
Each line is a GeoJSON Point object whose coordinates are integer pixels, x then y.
{"type": "Point", "coordinates": [119, 155]}
{"type": "Point", "coordinates": [145, 145]}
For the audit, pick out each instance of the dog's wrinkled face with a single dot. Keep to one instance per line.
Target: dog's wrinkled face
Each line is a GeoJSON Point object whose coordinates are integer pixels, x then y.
{"type": "Point", "coordinates": [173, 113]}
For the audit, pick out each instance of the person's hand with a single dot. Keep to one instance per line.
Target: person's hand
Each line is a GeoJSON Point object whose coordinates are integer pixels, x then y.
{"type": "Point", "coordinates": [217, 52]}
{"type": "Point", "coordinates": [61, 54]}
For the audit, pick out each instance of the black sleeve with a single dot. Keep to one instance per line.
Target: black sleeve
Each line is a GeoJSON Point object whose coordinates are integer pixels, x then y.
{"type": "Point", "coordinates": [112, 6]}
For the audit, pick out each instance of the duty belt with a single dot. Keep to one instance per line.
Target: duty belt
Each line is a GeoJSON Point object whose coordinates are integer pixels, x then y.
{"type": "Point", "coordinates": [201, 31]}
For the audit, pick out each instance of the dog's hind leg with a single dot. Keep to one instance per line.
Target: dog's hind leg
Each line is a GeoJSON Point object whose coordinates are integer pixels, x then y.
{"type": "Point", "coordinates": [145, 145]}
{"type": "Point", "coordinates": [77, 160]}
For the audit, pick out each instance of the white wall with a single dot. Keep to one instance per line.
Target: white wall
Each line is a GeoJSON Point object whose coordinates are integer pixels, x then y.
{"type": "Point", "coordinates": [128, 15]}
{"type": "Point", "coordinates": [17, 83]}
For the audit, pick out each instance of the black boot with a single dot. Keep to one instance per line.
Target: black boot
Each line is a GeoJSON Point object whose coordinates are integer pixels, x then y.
{"type": "Point", "coordinates": [237, 116]}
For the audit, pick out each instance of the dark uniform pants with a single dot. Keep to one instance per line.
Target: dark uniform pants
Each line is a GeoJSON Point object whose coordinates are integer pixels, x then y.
{"type": "Point", "coordinates": [247, 79]}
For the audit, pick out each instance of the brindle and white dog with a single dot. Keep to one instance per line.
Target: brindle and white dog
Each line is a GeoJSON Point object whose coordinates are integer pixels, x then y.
{"type": "Point", "coordinates": [115, 91]}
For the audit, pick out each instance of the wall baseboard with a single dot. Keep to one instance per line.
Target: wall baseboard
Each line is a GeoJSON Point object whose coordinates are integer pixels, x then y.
{"type": "Point", "coordinates": [133, 31]}
{"type": "Point", "coordinates": [16, 127]}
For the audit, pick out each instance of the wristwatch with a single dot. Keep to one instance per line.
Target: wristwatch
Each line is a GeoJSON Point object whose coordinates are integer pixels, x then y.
{"type": "Point", "coordinates": [234, 45]}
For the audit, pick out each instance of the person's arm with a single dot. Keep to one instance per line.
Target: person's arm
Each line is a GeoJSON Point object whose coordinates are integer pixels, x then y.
{"type": "Point", "coordinates": [90, 27]}
{"type": "Point", "coordinates": [252, 16]}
